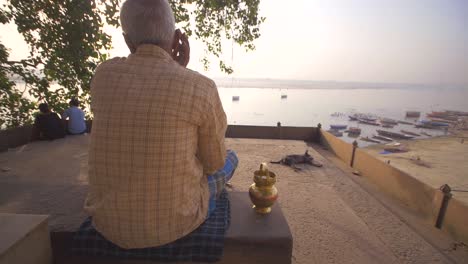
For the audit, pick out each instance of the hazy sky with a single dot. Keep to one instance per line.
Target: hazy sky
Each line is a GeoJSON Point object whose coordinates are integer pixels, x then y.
{"type": "Point", "coordinates": [402, 41]}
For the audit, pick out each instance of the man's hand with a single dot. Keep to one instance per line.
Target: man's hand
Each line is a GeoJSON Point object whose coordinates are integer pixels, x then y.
{"type": "Point", "coordinates": [181, 48]}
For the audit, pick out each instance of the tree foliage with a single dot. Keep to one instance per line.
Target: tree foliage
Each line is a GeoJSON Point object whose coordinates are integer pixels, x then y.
{"type": "Point", "coordinates": [67, 41]}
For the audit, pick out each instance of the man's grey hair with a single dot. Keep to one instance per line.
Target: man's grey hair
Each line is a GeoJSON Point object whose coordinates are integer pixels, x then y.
{"type": "Point", "coordinates": [148, 21]}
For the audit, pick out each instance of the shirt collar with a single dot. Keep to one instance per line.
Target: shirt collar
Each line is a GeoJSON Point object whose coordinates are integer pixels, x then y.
{"type": "Point", "coordinates": [153, 51]}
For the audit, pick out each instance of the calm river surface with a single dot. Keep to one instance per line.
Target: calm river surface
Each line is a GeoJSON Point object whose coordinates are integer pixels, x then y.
{"type": "Point", "coordinates": [308, 107]}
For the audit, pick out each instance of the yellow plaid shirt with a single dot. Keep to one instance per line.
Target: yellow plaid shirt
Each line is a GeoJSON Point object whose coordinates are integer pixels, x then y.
{"type": "Point", "coordinates": [158, 130]}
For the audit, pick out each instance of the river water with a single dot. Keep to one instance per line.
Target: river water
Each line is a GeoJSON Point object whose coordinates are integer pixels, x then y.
{"type": "Point", "coordinates": [308, 107]}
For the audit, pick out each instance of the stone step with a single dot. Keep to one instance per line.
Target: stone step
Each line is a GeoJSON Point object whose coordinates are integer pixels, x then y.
{"type": "Point", "coordinates": [24, 239]}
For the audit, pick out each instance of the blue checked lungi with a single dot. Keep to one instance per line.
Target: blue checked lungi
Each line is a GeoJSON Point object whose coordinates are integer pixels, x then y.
{"type": "Point", "coordinates": [217, 181]}
{"type": "Point", "coordinates": [204, 244]}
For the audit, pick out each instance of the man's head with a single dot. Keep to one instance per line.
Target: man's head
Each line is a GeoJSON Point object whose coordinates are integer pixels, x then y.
{"type": "Point", "coordinates": [44, 108]}
{"type": "Point", "coordinates": [147, 22]}
{"type": "Point", "coordinates": [74, 102]}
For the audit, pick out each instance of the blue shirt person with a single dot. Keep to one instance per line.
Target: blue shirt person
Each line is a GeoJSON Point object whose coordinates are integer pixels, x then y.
{"type": "Point", "coordinates": [76, 118]}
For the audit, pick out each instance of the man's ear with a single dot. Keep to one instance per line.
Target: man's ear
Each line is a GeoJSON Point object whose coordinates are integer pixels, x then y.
{"type": "Point", "coordinates": [175, 42]}
{"type": "Point", "coordinates": [130, 45]}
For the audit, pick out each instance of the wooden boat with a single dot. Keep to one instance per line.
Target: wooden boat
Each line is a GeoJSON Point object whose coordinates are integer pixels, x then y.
{"type": "Point", "coordinates": [424, 125]}
{"type": "Point", "coordinates": [354, 130]}
{"type": "Point", "coordinates": [396, 149]}
{"type": "Point", "coordinates": [388, 121]}
{"type": "Point", "coordinates": [338, 127]}
{"type": "Point", "coordinates": [443, 117]}
{"type": "Point", "coordinates": [368, 122]}
{"type": "Point", "coordinates": [382, 138]}
{"type": "Point", "coordinates": [391, 134]}
{"type": "Point", "coordinates": [426, 134]}
{"type": "Point", "coordinates": [410, 133]}
{"type": "Point", "coordinates": [235, 98]}
{"type": "Point", "coordinates": [441, 120]}
{"type": "Point", "coordinates": [413, 114]}
{"type": "Point", "coordinates": [370, 140]}
{"type": "Point", "coordinates": [457, 113]}
{"type": "Point", "coordinates": [358, 116]}
{"type": "Point", "coordinates": [335, 132]}
{"type": "Point", "coordinates": [405, 122]}
{"type": "Point", "coordinates": [435, 124]}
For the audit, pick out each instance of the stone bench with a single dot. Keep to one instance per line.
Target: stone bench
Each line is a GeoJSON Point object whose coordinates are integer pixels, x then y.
{"type": "Point", "coordinates": [251, 238]}
{"type": "Point", "coordinates": [24, 239]}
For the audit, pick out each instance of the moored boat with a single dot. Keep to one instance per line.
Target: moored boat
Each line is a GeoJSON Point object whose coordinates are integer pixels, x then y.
{"type": "Point", "coordinates": [441, 116]}
{"type": "Point", "coordinates": [413, 114]}
{"type": "Point", "coordinates": [410, 133]}
{"type": "Point", "coordinates": [434, 123]}
{"type": "Point", "coordinates": [442, 120]}
{"type": "Point", "coordinates": [368, 122]}
{"type": "Point", "coordinates": [235, 98]}
{"type": "Point", "coordinates": [335, 132]}
{"type": "Point", "coordinates": [284, 96]}
{"type": "Point", "coordinates": [391, 134]}
{"type": "Point", "coordinates": [426, 134]}
{"type": "Point", "coordinates": [405, 122]}
{"type": "Point", "coordinates": [382, 138]}
{"type": "Point", "coordinates": [388, 121]}
{"type": "Point", "coordinates": [338, 127]}
{"type": "Point", "coordinates": [368, 139]}
{"type": "Point", "coordinates": [354, 130]}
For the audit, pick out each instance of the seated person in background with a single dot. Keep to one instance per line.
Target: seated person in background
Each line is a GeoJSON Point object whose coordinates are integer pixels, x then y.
{"type": "Point", "coordinates": [48, 124]}
{"type": "Point", "coordinates": [157, 150]}
{"type": "Point", "coordinates": [76, 118]}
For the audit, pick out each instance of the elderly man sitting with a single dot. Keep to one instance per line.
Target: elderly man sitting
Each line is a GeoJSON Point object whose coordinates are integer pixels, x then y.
{"type": "Point", "coordinates": [157, 150]}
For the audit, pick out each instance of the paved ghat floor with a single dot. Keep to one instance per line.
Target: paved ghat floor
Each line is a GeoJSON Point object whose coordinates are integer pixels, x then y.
{"type": "Point", "coordinates": [333, 220]}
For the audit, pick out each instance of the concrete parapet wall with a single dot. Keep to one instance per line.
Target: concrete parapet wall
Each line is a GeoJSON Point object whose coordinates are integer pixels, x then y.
{"type": "Point", "coordinates": [421, 198]}
{"type": "Point", "coordinates": [15, 137]}
{"type": "Point", "coordinates": [412, 192]}
{"type": "Point", "coordinates": [340, 148]}
{"type": "Point", "coordinates": [270, 132]}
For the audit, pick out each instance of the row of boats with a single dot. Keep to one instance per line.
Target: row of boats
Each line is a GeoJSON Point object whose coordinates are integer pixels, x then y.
{"type": "Point", "coordinates": [382, 135]}
{"type": "Point", "coordinates": [434, 120]}
{"type": "Point", "coordinates": [237, 97]}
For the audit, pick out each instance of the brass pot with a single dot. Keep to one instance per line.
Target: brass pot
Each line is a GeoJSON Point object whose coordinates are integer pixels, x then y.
{"type": "Point", "coordinates": [263, 192]}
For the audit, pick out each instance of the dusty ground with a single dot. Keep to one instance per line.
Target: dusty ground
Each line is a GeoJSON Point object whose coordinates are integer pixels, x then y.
{"type": "Point", "coordinates": [333, 219]}
{"type": "Point", "coordinates": [442, 160]}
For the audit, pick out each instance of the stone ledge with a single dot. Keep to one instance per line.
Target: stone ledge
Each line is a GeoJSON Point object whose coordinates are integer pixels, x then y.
{"type": "Point", "coordinates": [251, 238]}
{"type": "Point", "coordinates": [24, 239]}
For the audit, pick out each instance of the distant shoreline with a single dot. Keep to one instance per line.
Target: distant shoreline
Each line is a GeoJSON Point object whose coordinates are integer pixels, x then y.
{"type": "Point", "coordinates": [301, 84]}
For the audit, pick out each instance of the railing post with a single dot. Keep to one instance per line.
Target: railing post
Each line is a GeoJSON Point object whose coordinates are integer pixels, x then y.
{"type": "Point", "coordinates": [280, 134]}
{"type": "Point", "coordinates": [443, 205]}
{"type": "Point", "coordinates": [319, 133]}
{"type": "Point", "coordinates": [353, 154]}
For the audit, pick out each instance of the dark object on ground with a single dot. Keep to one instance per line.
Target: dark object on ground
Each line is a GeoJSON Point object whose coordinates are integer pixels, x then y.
{"type": "Point", "coordinates": [292, 160]}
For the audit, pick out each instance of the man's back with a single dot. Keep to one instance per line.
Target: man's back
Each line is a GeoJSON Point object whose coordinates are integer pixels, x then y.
{"type": "Point", "coordinates": [50, 126]}
{"type": "Point", "coordinates": [76, 122]}
{"type": "Point", "coordinates": [158, 129]}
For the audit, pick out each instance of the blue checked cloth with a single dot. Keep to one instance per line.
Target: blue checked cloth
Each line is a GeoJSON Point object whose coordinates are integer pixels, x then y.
{"type": "Point", "coordinates": [217, 181]}
{"type": "Point", "coordinates": [204, 244]}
